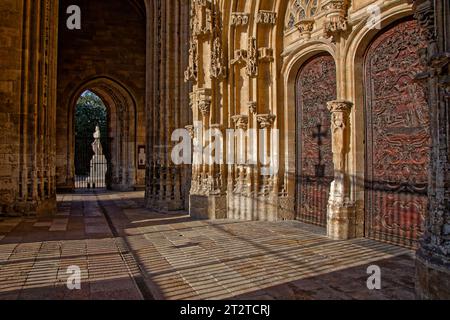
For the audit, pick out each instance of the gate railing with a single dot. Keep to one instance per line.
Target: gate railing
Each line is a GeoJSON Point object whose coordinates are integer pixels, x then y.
{"type": "Point", "coordinates": [91, 170]}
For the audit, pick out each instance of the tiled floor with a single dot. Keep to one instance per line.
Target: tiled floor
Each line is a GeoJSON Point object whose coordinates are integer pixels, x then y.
{"type": "Point", "coordinates": [127, 252]}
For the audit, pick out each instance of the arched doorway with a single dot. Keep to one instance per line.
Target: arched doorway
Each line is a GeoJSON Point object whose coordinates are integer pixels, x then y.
{"type": "Point", "coordinates": [92, 144]}
{"type": "Point", "coordinates": [120, 134]}
{"type": "Point", "coordinates": [315, 86]}
{"type": "Point", "coordinates": [397, 136]}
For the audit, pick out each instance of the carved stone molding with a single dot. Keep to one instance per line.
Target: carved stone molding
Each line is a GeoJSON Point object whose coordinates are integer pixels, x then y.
{"type": "Point", "coordinates": [252, 58]}
{"type": "Point", "coordinates": [239, 19]}
{"type": "Point", "coordinates": [248, 57]}
{"type": "Point", "coordinates": [201, 18]}
{"type": "Point", "coordinates": [191, 72]}
{"type": "Point", "coordinates": [265, 54]}
{"type": "Point", "coordinates": [240, 57]}
{"type": "Point", "coordinates": [218, 68]}
{"type": "Point", "coordinates": [266, 17]}
{"type": "Point", "coordinates": [340, 106]}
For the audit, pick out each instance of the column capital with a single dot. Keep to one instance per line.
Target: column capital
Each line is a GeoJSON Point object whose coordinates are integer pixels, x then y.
{"type": "Point", "coordinates": [340, 106]}
{"type": "Point", "coordinates": [266, 120]}
{"type": "Point", "coordinates": [305, 27]}
{"type": "Point", "coordinates": [336, 20]}
{"type": "Point", "coordinates": [240, 121]}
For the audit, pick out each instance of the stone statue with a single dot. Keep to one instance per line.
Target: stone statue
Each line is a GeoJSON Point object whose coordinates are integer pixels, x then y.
{"type": "Point", "coordinates": [96, 145]}
{"type": "Point", "coordinates": [99, 164]}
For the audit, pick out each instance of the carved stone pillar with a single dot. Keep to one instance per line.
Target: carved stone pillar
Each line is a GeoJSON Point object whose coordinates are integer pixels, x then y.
{"type": "Point", "coordinates": [28, 108]}
{"type": "Point", "coordinates": [168, 41]}
{"type": "Point", "coordinates": [241, 123]}
{"type": "Point", "coordinates": [341, 210]}
{"type": "Point", "coordinates": [433, 255]}
{"type": "Point", "coordinates": [266, 122]}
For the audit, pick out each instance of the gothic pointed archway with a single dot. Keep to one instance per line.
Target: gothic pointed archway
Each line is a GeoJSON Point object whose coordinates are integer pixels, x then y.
{"type": "Point", "coordinates": [92, 143]}
{"type": "Point", "coordinates": [121, 106]}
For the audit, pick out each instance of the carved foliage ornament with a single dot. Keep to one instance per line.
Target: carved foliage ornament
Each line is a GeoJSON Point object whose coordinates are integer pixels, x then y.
{"type": "Point", "coordinates": [266, 17]}
{"type": "Point", "coordinates": [191, 72]}
{"type": "Point", "coordinates": [218, 68]}
{"type": "Point", "coordinates": [239, 19]}
{"type": "Point", "coordinates": [336, 19]}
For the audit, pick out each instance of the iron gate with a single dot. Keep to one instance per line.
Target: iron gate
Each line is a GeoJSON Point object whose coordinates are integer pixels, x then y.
{"type": "Point", "coordinates": [92, 170]}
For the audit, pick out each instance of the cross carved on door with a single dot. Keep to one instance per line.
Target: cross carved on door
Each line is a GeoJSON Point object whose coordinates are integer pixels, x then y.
{"type": "Point", "coordinates": [320, 167]}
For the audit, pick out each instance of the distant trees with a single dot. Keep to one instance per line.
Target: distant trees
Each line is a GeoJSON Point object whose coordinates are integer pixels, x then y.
{"type": "Point", "coordinates": [90, 112]}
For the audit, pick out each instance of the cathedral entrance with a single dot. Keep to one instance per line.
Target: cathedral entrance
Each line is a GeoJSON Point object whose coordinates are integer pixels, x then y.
{"type": "Point", "coordinates": [112, 109]}
{"type": "Point", "coordinates": [91, 142]}
{"type": "Point", "coordinates": [397, 135]}
{"type": "Point", "coordinates": [316, 85]}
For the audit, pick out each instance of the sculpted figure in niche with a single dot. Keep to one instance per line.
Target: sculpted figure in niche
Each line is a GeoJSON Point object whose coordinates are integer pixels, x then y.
{"type": "Point", "coordinates": [338, 127]}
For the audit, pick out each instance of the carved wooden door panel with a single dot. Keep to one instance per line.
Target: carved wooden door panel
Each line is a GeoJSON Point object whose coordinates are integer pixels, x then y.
{"type": "Point", "coordinates": [398, 137]}
{"type": "Point", "coordinates": [316, 85]}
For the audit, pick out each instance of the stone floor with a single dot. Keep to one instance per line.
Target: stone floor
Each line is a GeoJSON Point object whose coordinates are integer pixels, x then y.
{"type": "Point", "coordinates": [127, 252]}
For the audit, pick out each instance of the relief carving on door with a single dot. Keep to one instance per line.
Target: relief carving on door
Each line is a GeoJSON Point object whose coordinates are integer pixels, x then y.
{"type": "Point", "coordinates": [316, 86]}
{"type": "Point", "coordinates": [397, 136]}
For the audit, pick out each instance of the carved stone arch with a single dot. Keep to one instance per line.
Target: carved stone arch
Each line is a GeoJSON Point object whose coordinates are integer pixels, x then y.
{"type": "Point", "coordinates": [121, 106]}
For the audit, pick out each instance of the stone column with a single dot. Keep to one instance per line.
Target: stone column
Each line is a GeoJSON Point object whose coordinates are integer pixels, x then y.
{"type": "Point", "coordinates": [433, 255]}
{"type": "Point", "coordinates": [28, 108]}
{"type": "Point", "coordinates": [341, 211]}
{"type": "Point", "coordinates": [266, 122]}
{"type": "Point", "coordinates": [241, 123]}
{"type": "Point", "coordinates": [167, 102]}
